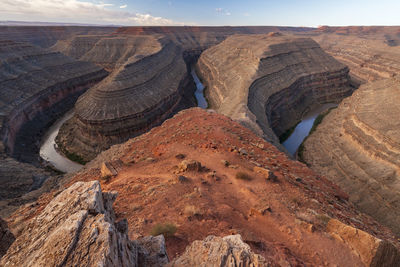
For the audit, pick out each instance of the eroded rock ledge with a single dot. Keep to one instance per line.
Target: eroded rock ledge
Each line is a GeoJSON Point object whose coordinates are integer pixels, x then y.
{"type": "Point", "coordinates": [146, 90]}
{"type": "Point", "coordinates": [269, 81]}
{"type": "Point", "coordinates": [357, 147]}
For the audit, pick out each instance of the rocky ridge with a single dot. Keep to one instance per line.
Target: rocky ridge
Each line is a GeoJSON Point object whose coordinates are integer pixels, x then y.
{"type": "Point", "coordinates": [357, 147]}
{"type": "Point", "coordinates": [142, 93]}
{"type": "Point", "coordinates": [189, 173]}
{"type": "Point", "coordinates": [269, 81]}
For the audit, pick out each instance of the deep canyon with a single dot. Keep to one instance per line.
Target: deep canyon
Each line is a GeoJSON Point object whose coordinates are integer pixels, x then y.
{"type": "Point", "coordinates": [131, 92]}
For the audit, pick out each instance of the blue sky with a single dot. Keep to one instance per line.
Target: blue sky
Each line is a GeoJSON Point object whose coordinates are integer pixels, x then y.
{"type": "Point", "coordinates": [206, 12]}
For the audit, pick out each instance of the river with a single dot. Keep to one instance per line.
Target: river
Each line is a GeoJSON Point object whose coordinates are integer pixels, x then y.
{"type": "Point", "coordinates": [199, 94]}
{"type": "Point", "coordinates": [48, 149]}
{"type": "Point", "coordinates": [303, 128]}
{"type": "Point", "coordinates": [49, 152]}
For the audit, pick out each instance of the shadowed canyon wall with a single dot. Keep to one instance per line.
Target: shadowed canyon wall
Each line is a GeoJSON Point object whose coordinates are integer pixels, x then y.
{"type": "Point", "coordinates": [271, 80]}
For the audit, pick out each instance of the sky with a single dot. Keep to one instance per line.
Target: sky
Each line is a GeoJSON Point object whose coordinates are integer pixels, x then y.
{"type": "Point", "coordinates": [310, 13]}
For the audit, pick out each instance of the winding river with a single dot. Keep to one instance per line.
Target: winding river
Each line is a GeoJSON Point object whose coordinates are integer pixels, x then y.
{"type": "Point", "coordinates": [49, 152]}
{"type": "Point", "coordinates": [303, 128]}
{"type": "Point", "coordinates": [199, 94]}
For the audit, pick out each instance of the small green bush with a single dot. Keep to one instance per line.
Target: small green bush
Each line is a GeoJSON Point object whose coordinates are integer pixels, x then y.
{"type": "Point", "coordinates": [167, 229]}
{"type": "Point", "coordinates": [243, 176]}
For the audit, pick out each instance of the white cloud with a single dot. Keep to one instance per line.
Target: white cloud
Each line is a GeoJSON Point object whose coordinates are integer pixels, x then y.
{"type": "Point", "coordinates": [123, 6]}
{"type": "Point", "coordinates": [79, 11]}
{"type": "Point", "coordinates": [223, 11]}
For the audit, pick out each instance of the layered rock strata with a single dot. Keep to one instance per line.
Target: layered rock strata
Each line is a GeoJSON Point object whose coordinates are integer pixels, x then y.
{"type": "Point", "coordinates": [36, 86]}
{"type": "Point", "coordinates": [357, 147]}
{"type": "Point", "coordinates": [269, 81]}
{"type": "Point", "coordinates": [370, 57]}
{"type": "Point", "coordinates": [142, 93]}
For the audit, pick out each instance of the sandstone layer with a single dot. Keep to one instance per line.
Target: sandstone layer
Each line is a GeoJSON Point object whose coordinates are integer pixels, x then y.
{"type": "Point", "coordinates": [370, 55]}
{"type": "Point", "coordinates": [269, 81]}
{"type": "Point", "coordinates": [357, 147]}
{"type": "Point", "coordinates": [188, 173]}
{"type": "Point", "coordinates": [148, 88]}
{"type": "Point", "coordinates": [35, 88]}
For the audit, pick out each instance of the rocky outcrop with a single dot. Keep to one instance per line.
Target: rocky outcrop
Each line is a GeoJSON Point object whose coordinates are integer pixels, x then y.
{"type": "Point", "coordinates": [373, 251]}
{"type": "Point", "coordinates": [6, 237]}
{"type": "Point", "coordinates": [357, 147]}
{"type": "Point", "coordinates": [142, 93]}
{"type": "Point", "coordinates": [229, 251]}
{"type": "Point", "coordinates": [36, 86]}
{"type": "Point", "coordinates": [78, 228]}
{"type": "Point", "coordinates": [269, 81]}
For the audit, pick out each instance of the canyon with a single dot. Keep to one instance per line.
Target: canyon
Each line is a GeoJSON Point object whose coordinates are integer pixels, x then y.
{"type": "Point", "coordinates": [357, 147]}
{"type": "Point", "coordinates": [268, 81]}
{"type": "Point", "coordinates": [220, 177]}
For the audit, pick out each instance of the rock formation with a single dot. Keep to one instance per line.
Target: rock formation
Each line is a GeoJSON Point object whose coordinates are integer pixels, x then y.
{"type": "Point", "coordinates": [146, 90]}
{"type": "Point", "coordinates": [36, 86]}
{"type": "Point", "coordinates": [282, 212]}
{"type": "Point", "coordinates": [357, 147]}
{"type": "Point", "coordinates": [370, 57]}
{"type": "Point", "coordinates": [78, 228]}
{"type": "Point", "coordinates": [229, 251]}
{"type": "Point", "coordinates": [271, 80]}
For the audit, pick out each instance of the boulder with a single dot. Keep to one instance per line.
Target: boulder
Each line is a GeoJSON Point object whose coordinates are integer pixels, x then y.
{"type": "Point", "coordinates": [216, 251]}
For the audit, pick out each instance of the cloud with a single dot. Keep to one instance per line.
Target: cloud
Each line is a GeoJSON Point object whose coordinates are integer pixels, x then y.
{"type": "Point", "coordinates": [223, 11]}
{"type": "Point", "coordinates": [79, 11]}
{"type": "Point", "coordinates": [246, 14]}
{"type": "Point", "coordinates": [123, 6]}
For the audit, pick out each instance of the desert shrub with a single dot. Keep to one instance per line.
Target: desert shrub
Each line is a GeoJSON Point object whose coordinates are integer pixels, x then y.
{"type": "Point", "coordinates": [167, 229]}
{"type": "Point", "coordinates": [243, 176]}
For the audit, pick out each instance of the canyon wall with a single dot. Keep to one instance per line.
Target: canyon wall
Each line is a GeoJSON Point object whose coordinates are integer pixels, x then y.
{"type": "Point", "coordinates": [150, 86]}
{"type": "Point", "coordinates": [271, 80]}
{"type": "Point", "coordinates": [36, 87]}
{"type": "Point", "coordinates": [369, 55]}
{"type": "Point", "coordinates": [32, 82]}
{"type": "Point", "coordinates": [357, 147]}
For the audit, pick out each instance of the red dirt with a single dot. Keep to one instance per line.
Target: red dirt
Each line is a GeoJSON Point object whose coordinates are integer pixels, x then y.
{"type": "Point", "coordinates": [150, 192]}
